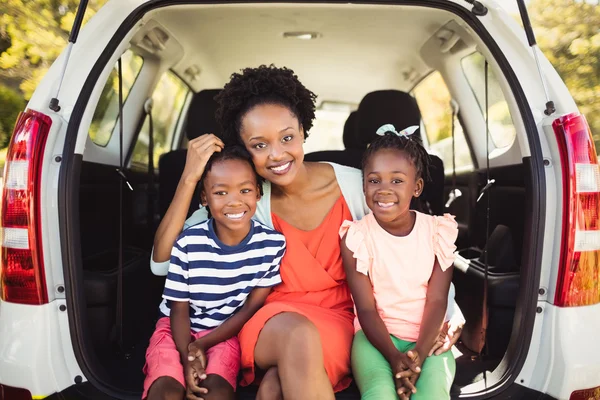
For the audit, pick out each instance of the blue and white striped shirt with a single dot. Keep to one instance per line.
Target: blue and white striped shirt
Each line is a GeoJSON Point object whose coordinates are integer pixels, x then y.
{"type": "Point", "coordinates": [215, 278]}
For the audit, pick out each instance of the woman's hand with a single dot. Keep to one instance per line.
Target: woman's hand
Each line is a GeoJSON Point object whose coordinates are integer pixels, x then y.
{"type": "Point", "coordinates": [449, 335]}
{"type": "Point", "coordinates": [199, 151]}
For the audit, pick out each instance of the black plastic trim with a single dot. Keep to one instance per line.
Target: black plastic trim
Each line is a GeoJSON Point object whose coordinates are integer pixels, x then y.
{"type": "Point", "coordinates": [87, 391]}
{"type": "Point", "coordinates": [69, 180]}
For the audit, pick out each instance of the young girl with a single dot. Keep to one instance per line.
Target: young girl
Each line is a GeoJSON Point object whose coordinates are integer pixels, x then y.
{"type": "Point", "coordinates": [220, 274]}
{"type": "Point", "coordinates": [399, 267]}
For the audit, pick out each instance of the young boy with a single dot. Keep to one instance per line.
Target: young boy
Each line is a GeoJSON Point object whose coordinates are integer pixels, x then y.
{"type": "Point", "coordinates": [220, 274]}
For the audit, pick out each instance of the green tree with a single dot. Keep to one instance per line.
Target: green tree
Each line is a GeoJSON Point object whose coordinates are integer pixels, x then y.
{"type": "Point", "coordinates": [32, 35]}
{"type": "Point", "coordinates": [568, 32]}
{"type": "Point", "coordinates": [12, 104]}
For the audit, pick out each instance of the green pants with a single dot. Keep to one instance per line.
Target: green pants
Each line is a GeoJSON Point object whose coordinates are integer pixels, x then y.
{"type": "Point", "coordinates": [373, 373]}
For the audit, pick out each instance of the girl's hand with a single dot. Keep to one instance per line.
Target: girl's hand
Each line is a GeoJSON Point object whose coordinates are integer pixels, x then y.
{"type": "Point", "coordinates": [406, 387]}
{"type": "Point", "coordinates": [406, 384]}
{"type": "Point", "coordinates": [405, 366]}
{"type": "Point", "coordinates": [199, 151]}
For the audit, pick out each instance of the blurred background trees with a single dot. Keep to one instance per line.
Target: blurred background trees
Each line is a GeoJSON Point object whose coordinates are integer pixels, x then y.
{"type": "Point", "coordinates": [568, 31]}
{"type": "Point", "coordinates": [34, 32]}
{"type": "Point", "coordinates": [32, 35]}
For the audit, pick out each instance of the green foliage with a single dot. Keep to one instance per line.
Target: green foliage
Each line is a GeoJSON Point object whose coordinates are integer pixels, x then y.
{"type": "Point", "coordinates": [32, 35]}
{"type": "Point", "coordinates": [12, 104]}
{"type": "Point", "coordinates": [568, 32]}
{"type": "Point", "coordinates": [34, 32]}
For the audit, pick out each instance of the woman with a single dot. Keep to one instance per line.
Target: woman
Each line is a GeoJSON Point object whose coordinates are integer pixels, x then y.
{"type": "Point", "coordinates": [303, 335]}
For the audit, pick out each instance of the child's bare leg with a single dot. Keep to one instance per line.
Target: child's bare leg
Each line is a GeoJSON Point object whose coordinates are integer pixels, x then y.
{"type": "Point", "coordinates": [270, 386]}
{"type": "Point", "coordinates": [166, 388]}
{"type": "Point", "coordinates": [218, 388]}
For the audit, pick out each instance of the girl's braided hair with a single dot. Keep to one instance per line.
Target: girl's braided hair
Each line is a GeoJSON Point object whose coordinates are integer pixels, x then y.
{"type": "Point", "coordinates": [263, 85]}
{"type": "Point", "coordinates": [411, 145]}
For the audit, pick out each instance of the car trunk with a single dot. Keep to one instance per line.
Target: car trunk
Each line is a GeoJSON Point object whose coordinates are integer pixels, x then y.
{"type": "Point", "coordinates": [110, 330]}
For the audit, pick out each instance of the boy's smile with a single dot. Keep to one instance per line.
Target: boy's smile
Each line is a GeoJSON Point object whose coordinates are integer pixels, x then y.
{"type": "Point", "coordinates": [231, 192]}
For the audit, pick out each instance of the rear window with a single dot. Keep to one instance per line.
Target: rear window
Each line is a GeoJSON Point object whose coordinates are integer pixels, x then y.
{"type": "Point", "coordinates": [169, 97]}
{"type": "Point", "coordinates": [328, 127]}
{"type": "Point", "coordinates": [107, 111]}
{"type": "Point", "coordinates": [433, 98]}
{"type": "Point", "coordinates": [502, 130]}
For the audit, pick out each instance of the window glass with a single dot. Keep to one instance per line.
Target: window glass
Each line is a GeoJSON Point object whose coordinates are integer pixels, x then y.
{"type": "Point", "coordinates": [328, 127]}
{"type": "Point", "coordinates": [433, 98]}
{"type": "Point", "coordinates": [107, 111]}
{"type": "Point", "coordinates": [169, 97]}
{"type": "Point", "coordinates": [502, 130]}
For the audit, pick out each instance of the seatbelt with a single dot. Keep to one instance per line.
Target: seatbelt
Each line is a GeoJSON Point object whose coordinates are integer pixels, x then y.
{"type": "Point", "coordinates": [455, 193]}
{"type": "Point", "coordinates": [151, 192]}
{"type": "Point", "coordinates": [487, 187]}
{"type": "Point", "coordinates": [120, 171]}
{"type": "Point", "coordinates": [454, 113]}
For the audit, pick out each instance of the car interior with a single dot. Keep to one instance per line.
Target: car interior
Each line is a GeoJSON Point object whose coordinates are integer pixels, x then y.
{"type": "Point", "coordinates": [369, 65]}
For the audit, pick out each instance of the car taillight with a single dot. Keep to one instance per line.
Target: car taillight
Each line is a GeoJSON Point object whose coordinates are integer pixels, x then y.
{"type": "Point", "coordinates": [22, 277]}
{"type": "Point", "coordinates": [579, 268]}
{"type": "Point", "coordinates": [586, 394]}
{"type": "Point", "coordinates": [12, 393]}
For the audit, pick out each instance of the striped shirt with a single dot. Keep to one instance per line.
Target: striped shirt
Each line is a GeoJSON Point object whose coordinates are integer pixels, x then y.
{"type": "Point", "coordinates": [215, 278]}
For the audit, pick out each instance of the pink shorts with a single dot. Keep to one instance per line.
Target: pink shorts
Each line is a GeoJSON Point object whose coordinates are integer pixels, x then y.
{"type": "Point", "coordinates": [162, 357]}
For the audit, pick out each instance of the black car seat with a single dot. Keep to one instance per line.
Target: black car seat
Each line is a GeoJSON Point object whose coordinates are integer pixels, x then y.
{"type": "Point", "coordinates": [401, 110]}
{"type": "Point", "coordinates": [200, 120]}
{"type": "Point", "coordinates": [352, 154]}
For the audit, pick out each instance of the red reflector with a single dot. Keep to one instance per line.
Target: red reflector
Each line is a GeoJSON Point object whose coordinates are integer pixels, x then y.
{"type": "Point", "coordinates": [22, 278]}
{"type": "Point", "coordinates": [579, 267]}
{"type": "Point", "coordinates": [586, 394]}
{"type": "Point", "coordinates": [20, 283]}
{"type": "Point", "coordinates": [12, 393]}
{"type": "Point", "coordinates": [16, 214]}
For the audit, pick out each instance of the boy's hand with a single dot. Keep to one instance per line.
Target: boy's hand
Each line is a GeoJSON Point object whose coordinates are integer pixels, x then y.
{"type": "Point", "coordinates": [199, 151]}
{"type": "Point", "coordinates": [195, 371]}
{"type": "Point", "coordinates": [407, 372]}
{"type": "Point", "coordinates": [192, 380]}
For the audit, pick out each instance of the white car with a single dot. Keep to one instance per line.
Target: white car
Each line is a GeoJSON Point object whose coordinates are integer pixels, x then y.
{"type": "Point", "coordinates": [78, 297]}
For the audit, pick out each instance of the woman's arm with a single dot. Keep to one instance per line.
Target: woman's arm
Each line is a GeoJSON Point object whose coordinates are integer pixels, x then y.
{"type": "Point", "coordinates": [199, 151]}
{"type": "Point", "coordinates": [435, 309]}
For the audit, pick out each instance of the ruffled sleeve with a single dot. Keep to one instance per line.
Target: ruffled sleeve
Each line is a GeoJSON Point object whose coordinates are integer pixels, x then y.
{"type": "Point", "coordinates": [445, 233]}
{"type": "Point", "coordinates": [356, 243]}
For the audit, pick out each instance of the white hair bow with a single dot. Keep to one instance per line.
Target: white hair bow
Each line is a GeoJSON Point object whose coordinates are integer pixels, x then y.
{"type": "Point", "coordinates": [391, 128]}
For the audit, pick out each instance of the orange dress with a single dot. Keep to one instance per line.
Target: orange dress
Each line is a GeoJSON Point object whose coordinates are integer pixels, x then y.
{"type": "Point", "coordinates": [313, 285]}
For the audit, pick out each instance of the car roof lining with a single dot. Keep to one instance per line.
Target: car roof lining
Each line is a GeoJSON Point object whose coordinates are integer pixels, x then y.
{"type": "Point", "coordinates": [221, 39]}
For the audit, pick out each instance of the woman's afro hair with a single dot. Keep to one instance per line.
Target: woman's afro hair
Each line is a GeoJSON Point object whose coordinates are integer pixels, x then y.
{"type": "Point", "coordinates": [262, 85]}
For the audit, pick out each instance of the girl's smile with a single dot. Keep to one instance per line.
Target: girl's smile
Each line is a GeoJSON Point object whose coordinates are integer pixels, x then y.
{"type": "Point", "coordinates": [390, 182]}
